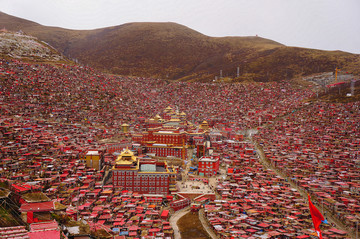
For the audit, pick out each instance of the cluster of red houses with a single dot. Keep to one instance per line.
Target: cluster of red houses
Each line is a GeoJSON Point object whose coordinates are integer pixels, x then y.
{"type": "Point", "coordinates": [52, 116]}
{"type": "Point", "coordinates": [256, 203]}
{"type": "Point", "coordinates": [318, 147]}
{"type": "Point", "coordinates": [77, 94]}
{"type": "Point", "coordinates": [50, 164]}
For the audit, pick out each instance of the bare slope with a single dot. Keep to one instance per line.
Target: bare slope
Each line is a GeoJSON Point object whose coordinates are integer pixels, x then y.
{"type": "Point", "coordinates": [173, 51]}
{"type": "Point", "coordinates": [18, 45]}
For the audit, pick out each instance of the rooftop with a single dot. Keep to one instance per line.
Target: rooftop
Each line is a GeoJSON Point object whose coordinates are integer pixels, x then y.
{"type": "Point", "coordinates": [208, 159]}
{"type": "Point", "coordinates": [92, 153]}
{"type": "Point", "coordinates": [152, 168]}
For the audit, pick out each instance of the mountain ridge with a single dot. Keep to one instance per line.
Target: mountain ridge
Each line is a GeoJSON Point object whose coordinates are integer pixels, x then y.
{"type": "Point", "coordinates": [172, 51]}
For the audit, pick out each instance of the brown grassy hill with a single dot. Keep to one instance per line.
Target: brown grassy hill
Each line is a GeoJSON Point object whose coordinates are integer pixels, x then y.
{"type": "Point", "coordinates": [170, 50]}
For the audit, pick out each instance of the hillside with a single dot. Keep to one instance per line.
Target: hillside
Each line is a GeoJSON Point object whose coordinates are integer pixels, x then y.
{"type": "Point", "coordinates": [18, 45]}
{"type": "Point", "coordinates": [173, 51]}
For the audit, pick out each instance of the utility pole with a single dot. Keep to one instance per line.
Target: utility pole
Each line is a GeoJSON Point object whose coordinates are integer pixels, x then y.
{"type": "Point", "coordinates": [220, 74]}
{"type": "Point", "coordinates": [336, 73]}
{"type": "Point", "coordinates": [238, 72]}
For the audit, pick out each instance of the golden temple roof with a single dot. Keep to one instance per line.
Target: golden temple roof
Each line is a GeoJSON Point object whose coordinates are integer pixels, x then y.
{"type": "Point", "coordinates": [204, 125]}
{"type": "Point", "coordinates": [175, 120]}
{"type": "Point", "coordinates": [126, 157]}
{"type": "Point", "coordinates": [168, 109]}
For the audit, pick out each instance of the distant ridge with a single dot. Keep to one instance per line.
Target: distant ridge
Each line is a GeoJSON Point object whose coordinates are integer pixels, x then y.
{"type": "Point", "coordinates": [173, 51]}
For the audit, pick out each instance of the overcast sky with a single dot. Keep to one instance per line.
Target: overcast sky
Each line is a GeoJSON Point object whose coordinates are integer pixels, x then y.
{"type": "Point", "coordinates": [319, 24]}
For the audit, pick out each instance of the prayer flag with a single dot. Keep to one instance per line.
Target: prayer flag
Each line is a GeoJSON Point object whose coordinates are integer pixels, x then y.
{"type": "Point", "coordinates": [317, 218]}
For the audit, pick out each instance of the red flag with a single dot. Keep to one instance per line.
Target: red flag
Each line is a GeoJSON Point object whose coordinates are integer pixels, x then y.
{"type": "Point", "coordinates": [317, 218]}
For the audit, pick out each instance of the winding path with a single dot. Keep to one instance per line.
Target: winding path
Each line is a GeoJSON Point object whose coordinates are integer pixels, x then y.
{"type": "Point", "coordinates": [206, 225]}
{"type": "Point", "coordinates": [174, 219]}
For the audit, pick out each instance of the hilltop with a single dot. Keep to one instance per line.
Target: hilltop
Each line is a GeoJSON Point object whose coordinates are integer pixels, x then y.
{"type": "Point", "coordinates": [173, 51]}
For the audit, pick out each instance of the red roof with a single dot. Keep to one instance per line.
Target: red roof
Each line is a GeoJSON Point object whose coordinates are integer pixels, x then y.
{"type": "Point", "coordinates": [165, 213]}
{"type": "Point", "coordinates": [154, 229]}
{"type": "Point", "coordinates": [337, 231]}
{"type": "Point", "coordinates": [44, 225]}
{"type": "Point", "coordinates": [20, 188]}
{"type": "Point", "coordinates": [50, 234]}
{"type": "Point", "coordinates": [133, 228]}
{"type": "Point", "coordinates": [263, 225]}
{"type": "Point", "coordinates": [303, 236]}
{"type": "Point", "coordinates": [37, 206]}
